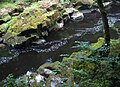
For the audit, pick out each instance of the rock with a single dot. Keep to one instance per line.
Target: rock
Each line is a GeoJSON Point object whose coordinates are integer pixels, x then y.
{"type": "Point", "coordinates": [45, 33]}
{"type": "Point", "coordinates": [106, 4]}
{"type": "Point", "coordinates": [65, 17]}
{"type": "Point", "coordinates": [40, 41]}
{"type": "Point", "coordinates": [16, 11]}
{"type": "Point", "coordinates": [16, 40]}
{"type": "Point", "coordinates": [47, 71]}
{"type": "Point", "coordinates": [70, 10]}
{"type": "Point", "coordinates": [54, 81]}
{"type": "Point", "coordinates": [77, 16]}
{"type": "Point", "coordinates": [39, 78]}
{"type": "Point", "coordinates": [29, 19]}
{"type": "Point", "coordinates": [28, 73]}
{"type": "Point", "coordinates": [5, 17]}
{"type": "Point", "coordinates": [59, 25]}
{"type": "Point", "coordinates": [1, 40]}
{"type": "Point", "coordinates": [51, 66]}
{"type": "Point", "coordinates": [49, 60]}
{"type": "Point", "coordinates": [5, 11]}
{"type": "Point", "coordinates": [4, 27]}
{"type": "Point", "coordinates": [48, 3]}
{"type": "Point", "coordinates": [91, 14]}
{"type": "Point", "coordinates": [23, 4]}
{"type": "Point", "coordinates": [64, 55]}
{"type": "Point", "coordinates": [15, 14]}
{"type": "Point", "coordinates": [2, 45]}
{"type": "Point", "coordinates": [86, 1]}
{"type": "Point", "coordinates": [54, 6]}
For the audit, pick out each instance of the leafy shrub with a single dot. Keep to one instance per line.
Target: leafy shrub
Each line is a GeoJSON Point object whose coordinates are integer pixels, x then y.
{"type": "Point", "coordinates": [11, 82]}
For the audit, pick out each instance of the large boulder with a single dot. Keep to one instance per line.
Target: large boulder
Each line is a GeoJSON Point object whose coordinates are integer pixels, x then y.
{"type": "Point", "coordinates": [32, 22]}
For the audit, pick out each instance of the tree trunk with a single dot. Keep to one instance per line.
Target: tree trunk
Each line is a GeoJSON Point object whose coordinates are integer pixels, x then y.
{"type": "Point", "coordinates": [105, 22]}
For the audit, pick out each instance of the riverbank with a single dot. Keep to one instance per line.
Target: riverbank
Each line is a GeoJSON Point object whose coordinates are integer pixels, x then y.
{"type": "Point", "coordinates": [86, 67]}
{"type": "Point", "coordinates": [80, 69]}
{"type": "Point", "coordinates": [22, 23]}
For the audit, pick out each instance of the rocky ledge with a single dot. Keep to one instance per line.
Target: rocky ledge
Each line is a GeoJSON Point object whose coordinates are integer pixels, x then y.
{"type": "Point", "coordinates": [26, 23]}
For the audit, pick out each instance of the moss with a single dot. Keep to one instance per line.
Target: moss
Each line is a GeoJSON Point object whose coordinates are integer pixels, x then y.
{"type": "Point", "coordinates": [12, 39]}
{"type": "Point", "coordinates": [25, 22]}
{"type": "Point", "coordinates": [4, 27]}
{"type": "Point", "coordinates": [65, 59]}
{"type": "Point", "coordinates": [115, 50]}
{"type": "Point", "coordinates": [93, 47]}
{"type": "Point", "coordinates": [17, 40]}
{"type": "Point", "coordinates": [74, 55]}
{"type": "Point", "coordinates": [53, 66]}
{"type": "Point", "coordinates": [7, 5]}
{"type": "Point", "coordinates": [85, 65]}
{"type": "Point", "coordinates": [6, 17]}
{"type": "Point", "coordinates": [33, 6]}
{"type": "Point", "coordinates": [99, 43]}
{"type": "Point", "coordinates": [32, 16]}
{"type": "Point", "coordinates": [117, 24]}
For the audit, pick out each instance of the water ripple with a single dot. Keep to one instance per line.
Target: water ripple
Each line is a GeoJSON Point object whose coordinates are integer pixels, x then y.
{"type": "Point", "coordinates": [52, 46]}
{"type": "Point", "coordinates": [56, 44]}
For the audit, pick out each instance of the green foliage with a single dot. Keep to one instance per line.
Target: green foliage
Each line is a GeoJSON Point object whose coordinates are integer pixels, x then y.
{"type": "Point", "coordinates": [4, 27]}
{"type": "Point", "coordinates": [64, 2]}
{"type": "Point", "coordinates": [7, 5]}
{"type": "Point", "coordinates": [9, 81]}
{"type": "Point", "coordinates": [94, 71]}
{"type": "Point", "coordinates": [34, 6]}
{"type": "Point", "coordinates": [13, 1]}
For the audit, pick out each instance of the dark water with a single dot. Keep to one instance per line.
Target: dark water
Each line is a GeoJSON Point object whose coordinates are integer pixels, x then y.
{"type": "Point", "coordinates": [57, 45]}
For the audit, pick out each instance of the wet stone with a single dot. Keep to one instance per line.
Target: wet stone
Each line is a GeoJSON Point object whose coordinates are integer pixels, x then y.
{"type": "Point", "coordinates": [1, 40]}
{"type": "Point", "coordinates": [2, 45]}
{"type": "Point", "coordinates": [78, 16]}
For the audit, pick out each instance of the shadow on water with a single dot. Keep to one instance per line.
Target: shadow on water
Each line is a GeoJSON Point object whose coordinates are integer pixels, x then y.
{"type": "Point", "coordinates": [57, 43]}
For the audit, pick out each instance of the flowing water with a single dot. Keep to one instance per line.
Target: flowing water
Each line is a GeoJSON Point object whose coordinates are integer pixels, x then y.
{"type": "Point", "coordinates": [58, 44]}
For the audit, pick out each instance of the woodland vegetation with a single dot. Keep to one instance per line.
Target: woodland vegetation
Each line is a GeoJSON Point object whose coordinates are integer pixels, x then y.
{"type": "Point", "coordinates": [94, 65]}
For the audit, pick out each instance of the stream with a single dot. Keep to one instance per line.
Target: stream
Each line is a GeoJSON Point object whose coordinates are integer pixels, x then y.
{"type": "Point", "coordinates": [58, 44]}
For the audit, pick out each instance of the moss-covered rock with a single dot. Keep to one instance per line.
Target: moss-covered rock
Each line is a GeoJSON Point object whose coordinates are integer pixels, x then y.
{"type": "Point", "coordinates": [5, 17]}
{"type": "Point", "coordinates": [93, 47]}
{"type": "Point", "coordinates": [4, 27]}
{"type": "Point", "coordinates": [30, 18]}
{"type": "Point", "coordinates": [52, 66]}
{"type": "Point", "coordinates": [44, 13]}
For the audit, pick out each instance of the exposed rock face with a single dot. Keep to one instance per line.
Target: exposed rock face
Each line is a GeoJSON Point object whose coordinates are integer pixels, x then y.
{"type": "Point", "coordinates": [24, 23]}
{"type": "Point", "coordinates": [77, 16]}
{"type": "Point", "coordinates": [15, 31]}
{"type": "Point", "coordinates": [70, 10]}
